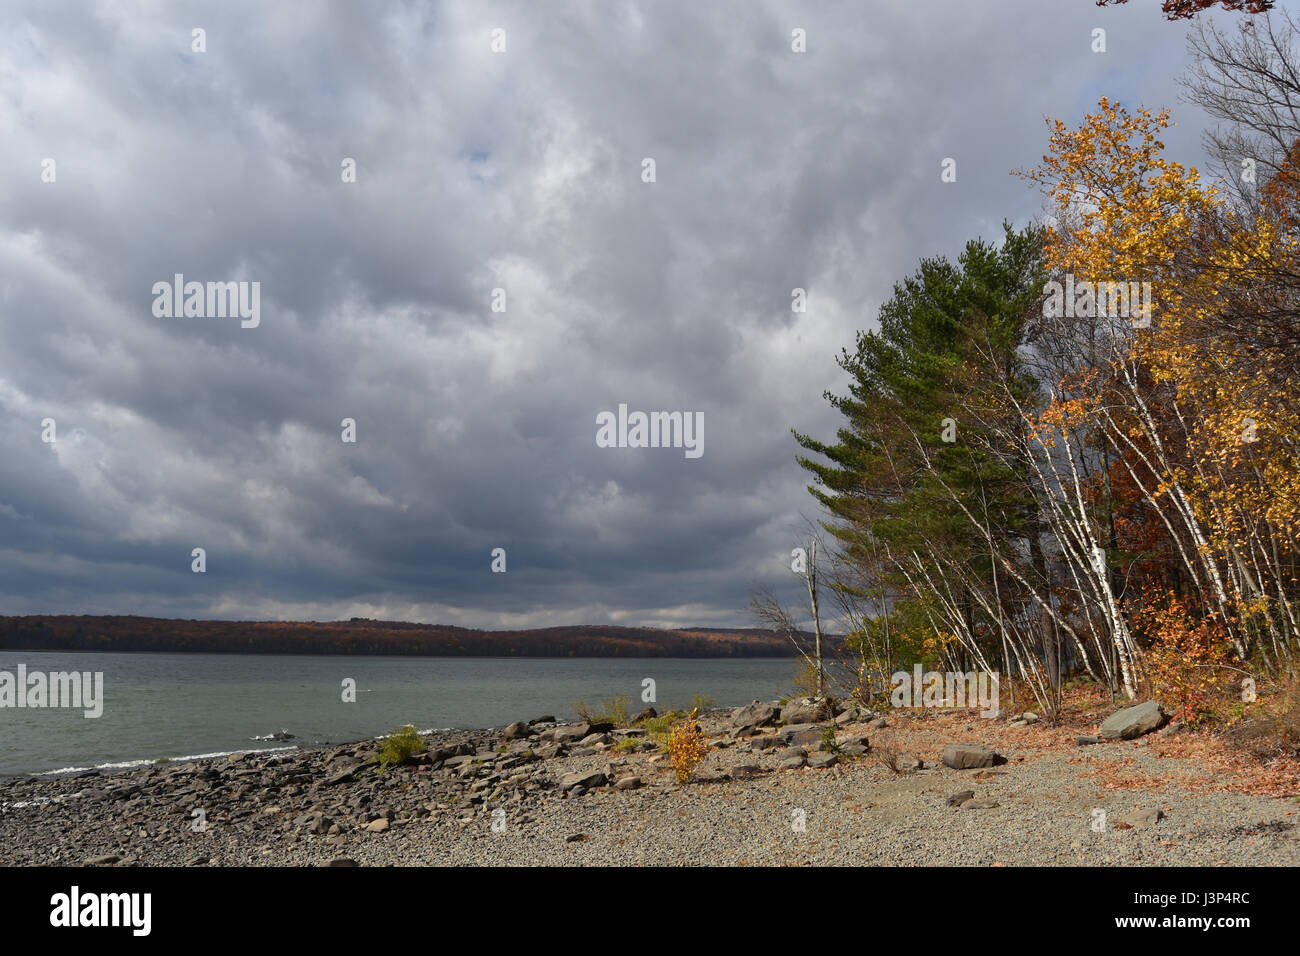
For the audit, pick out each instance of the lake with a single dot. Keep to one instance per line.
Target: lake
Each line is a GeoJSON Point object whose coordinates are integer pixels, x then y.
{"type": "Point", "coordinates": [188, 705]}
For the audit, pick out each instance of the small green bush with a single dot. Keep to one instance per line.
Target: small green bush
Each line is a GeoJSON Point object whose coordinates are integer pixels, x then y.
{"type": "Point", "coordinates": [627, 745]}
{"type": "Point", "coordinates": [700, 702]}
{"type": "Point", "coordinates": [615, 710]}
{"type": "Point", "coordinates": [658, 728]}
{"type": "Point", "coordinates": [398, 747]}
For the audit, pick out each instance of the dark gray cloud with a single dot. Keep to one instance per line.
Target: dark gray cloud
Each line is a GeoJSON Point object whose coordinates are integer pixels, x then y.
{"type": "Point", "coordinates": [478, 170]}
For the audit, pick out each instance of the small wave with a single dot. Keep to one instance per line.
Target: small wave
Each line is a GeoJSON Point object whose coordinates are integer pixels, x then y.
{"type": "Point", "coordinates": [148, 761]}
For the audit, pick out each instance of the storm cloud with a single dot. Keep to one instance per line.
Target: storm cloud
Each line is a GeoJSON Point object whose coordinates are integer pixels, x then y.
{"type": "Point", "coordinates": [478, 170]}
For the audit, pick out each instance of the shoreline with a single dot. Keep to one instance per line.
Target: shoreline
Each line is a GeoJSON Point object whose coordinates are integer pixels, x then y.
{"type": "Point", "coordinates": [768, 792]}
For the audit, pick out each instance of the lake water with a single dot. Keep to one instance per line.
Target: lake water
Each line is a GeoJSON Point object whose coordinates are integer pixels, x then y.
{"type": "Point", "coordinates": [187, 705]}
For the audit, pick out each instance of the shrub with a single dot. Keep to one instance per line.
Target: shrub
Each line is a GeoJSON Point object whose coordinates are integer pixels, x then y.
{"type": "Point", "coordinates": [686, 747]}
{"type": "Point", "coordinates": [829, 743]}
{"type": "Point", "coordinates": [700, 702]}
{"type": "Point", "coordinates": [615, 710]}
{"type": "Point", "coordinates": [658, 728]}
{"type": "Point", "coordinates": [398, 747]}
{"type": "Point", "coordinates": [1185, 663]}
{"type": "Point", "coordinates": [627, 745]}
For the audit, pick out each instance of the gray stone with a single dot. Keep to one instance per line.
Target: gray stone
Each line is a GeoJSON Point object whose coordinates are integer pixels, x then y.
{"type": "Point", "coordinates": [1140, 819]}
{"type": "Point", "coordinates": [805, 710]}
{"type": "Point", "coordinates": [757, 714]}
{"type": "Point", "coordinates": [516, 731]}
{"type": "Point", "coordinates": [586, 779]}
{"type": "Point", "coordinates": [803, 735]}
{"type": "Point", "coordinates": [957, 799]}
{"type": "Point", "coordinates": [969, 756]}
{"type": "Point", "coordinates": [629, 783]}
{"type": "Point", "coordinates": [1085, 740]}
{"type": "Point", "coordinates": [1133, 721]}
{"type": "Point", "coordinates": [980, 805]}
{"type": "Point", "coordinates": [378, 826]}
{"type": "Point", "coordinates": [822, 761]}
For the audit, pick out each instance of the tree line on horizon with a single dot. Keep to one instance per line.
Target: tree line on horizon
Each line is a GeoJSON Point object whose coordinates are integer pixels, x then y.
{"type": "Point", "coordinates": [359, 636]}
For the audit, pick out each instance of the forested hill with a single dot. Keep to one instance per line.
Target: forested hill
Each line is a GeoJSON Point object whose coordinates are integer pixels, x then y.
{"type": "Point", "coordinates": [363, 636]}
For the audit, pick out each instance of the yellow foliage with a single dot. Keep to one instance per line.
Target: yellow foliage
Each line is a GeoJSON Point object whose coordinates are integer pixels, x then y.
{"type": "Point", "coordinates": [686, 747]}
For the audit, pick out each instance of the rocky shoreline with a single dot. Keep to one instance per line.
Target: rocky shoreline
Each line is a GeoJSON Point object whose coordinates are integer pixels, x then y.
{"type": "Point", "coordinates": [781, 785]}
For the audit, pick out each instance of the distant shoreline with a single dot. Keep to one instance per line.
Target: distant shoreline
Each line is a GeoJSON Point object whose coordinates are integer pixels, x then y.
{"type": "Point", "coordinates": [365, 637]}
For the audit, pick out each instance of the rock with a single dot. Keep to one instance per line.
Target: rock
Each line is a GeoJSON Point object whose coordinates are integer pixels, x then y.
{"type": "Point", "coordinates": [744, 769]}
{"type": "Point", "coordinates": [342, 861]}
{"type": "Point", "coordinates": [805, 710]}
{"type": "Point", "coordinates": [957, 799]}
{"type": "Point", "coordinates": [969, 756]}
{"type": "Point", "coordinates": [1029, 717]}
{"type": "Point", "coordinates": [648, 714]}
{"type": "Point", "coordinates": [848, 717]}
{"type": "Point", "coordinates": [107, 860]}
{"type": "Point", "coordinates": [593, 740]}
{"type": "Point", "coordinates": [1085, 740]}
{"type": "Point", "coordinates": [547, 719]}
{"type": "Point", "coordinates": [571, 734]}
{"type": "Point", "coordinates": [748, 731]}
{"type": "Point", "coordinates": [586, 779]}
{"type": "Point", "coordinates": [803, 735]}
{"type": "Point", "coordinates": [878, 723]}
{"type": "Point", "coordinates": [1133, 721]}
{"type": "Point", "coordinates": [979, 804]}
{"type": "Point", "coordinates": [575, 838]}
{"type": "Point", "coordinates": [1175, 727]}
{"type": "Point", "coordinates": [907, 763]}
{"type": "Point", "coordinates": [378, 826]}
{"type": "Point", "coordinates": [765, 743]}
{"type": "Point", "coordinates": [792, 763]}
{"type": "Point", "coordinates": [756, 714]}
{"type": "Point", "coordinates": [629, 783]}
{"type": "Point", "coordinates": [315, 823]}
{"type": "Point", "coordinates": [343, 776]}
{"type": "Point", "coordinates": [822, 761]}
{"type": "Point", "coordinates": [516, 731]}
{"type": "Point", "coordinates": [1139, 819]}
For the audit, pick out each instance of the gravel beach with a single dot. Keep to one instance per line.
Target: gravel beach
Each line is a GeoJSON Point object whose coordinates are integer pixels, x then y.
{"type": "Point", "coordinates": [571, 794]}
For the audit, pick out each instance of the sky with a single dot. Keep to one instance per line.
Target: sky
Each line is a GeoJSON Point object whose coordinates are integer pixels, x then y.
{"type": "Point", "coordinates": [484, 160]}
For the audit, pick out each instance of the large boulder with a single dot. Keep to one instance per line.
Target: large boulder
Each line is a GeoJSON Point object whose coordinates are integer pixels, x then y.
{"type": "Point", "coordinates": [517, 731]}
{"type": "Point", "coordinates": [1133, 721]}
{"type": "Point", "coordinates": [803, 735]}
{"type": "Point", "coordinates": [969, 756]}
{"type": "Point", "coordinates": [806, 710]}
{"type": "Point", "coordinates": [756, 714]}
{"type": "Point", "coordinates": [587, 779]}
